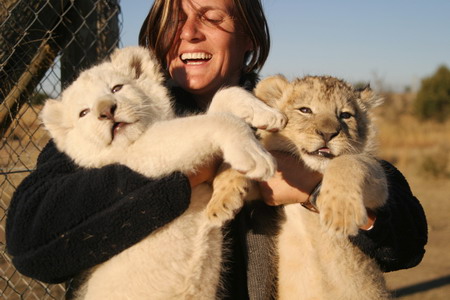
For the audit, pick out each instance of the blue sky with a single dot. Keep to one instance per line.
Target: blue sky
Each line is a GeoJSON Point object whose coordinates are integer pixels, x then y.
{"type": "Point", "coordinates": [393, 42]}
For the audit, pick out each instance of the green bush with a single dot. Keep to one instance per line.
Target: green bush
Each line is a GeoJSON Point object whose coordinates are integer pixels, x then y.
{"type": "Point", "coordinates": [433, 98]}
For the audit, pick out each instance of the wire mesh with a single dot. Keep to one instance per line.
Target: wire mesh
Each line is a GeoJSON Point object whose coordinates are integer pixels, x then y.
{"type": "Point", "coordinates": [43, 46]}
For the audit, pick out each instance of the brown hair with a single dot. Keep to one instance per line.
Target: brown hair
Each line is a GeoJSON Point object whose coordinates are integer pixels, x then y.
{"type": "Point", "coordinates": [159, 28]}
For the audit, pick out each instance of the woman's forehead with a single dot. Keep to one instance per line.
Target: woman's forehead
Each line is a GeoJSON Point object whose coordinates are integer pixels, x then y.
{"type": "Point", "coordinates": [202, 5]}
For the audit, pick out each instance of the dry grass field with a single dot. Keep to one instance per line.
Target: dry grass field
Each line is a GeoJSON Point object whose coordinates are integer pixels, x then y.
{"type": "Point", "coordinates": [421, 150]}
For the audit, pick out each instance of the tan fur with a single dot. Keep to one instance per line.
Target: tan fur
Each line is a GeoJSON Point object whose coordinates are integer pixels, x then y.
{"type": "Point", "coordinates": [316, 260]}
{"type": "Point", "coordinates": [120, 112]}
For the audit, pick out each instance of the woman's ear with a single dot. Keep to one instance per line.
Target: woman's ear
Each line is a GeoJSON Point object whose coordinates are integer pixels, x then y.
{"type": "Point", "coordinates": [249, 44]}
{"type": "Point", "coordinates": [271, 89]}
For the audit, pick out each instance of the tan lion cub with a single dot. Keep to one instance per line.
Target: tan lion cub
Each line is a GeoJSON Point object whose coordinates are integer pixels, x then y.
{"type": "Point", "coordinates": [330, 129]}
{"type": "Point", "coordinates": [119, 112]}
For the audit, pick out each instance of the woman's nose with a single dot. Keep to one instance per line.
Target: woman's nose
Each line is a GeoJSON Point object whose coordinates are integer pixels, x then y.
{"type": "Point", "coordinates": [191, 30]}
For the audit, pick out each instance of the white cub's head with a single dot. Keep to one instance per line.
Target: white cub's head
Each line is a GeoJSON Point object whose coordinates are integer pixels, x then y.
{"type": "Point", "coordinates": [326, 117]}
{"type": "Point", "coordinates": [109, 105]}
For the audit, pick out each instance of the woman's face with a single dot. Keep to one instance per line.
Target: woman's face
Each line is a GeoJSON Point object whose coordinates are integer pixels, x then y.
{"type": "Point", "coordinates": [209, 47]}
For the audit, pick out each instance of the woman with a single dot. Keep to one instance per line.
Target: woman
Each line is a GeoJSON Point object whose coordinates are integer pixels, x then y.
{"type": "Point", "coordinates": [203, 45]}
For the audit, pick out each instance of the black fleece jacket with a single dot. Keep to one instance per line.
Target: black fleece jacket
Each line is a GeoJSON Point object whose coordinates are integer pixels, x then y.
{"type": "Point", "coordinates": [64, 219]}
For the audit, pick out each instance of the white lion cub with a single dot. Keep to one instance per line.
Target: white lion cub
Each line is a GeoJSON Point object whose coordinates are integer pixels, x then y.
{"type": "Point", "coordinates": [120, 112]}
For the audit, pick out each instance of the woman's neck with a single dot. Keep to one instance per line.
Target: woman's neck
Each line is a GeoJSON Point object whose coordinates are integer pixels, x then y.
{"type": "Point", "coordinates": [203, 101]}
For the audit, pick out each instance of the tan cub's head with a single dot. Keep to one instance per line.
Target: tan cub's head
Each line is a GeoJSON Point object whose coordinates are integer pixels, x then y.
{"type": "Point", "coordinates": [326, 117]}
{"type": "Point", "coordinates": [109, 105]}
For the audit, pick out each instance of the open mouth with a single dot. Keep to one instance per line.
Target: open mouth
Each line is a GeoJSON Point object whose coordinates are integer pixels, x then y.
{"type": "Point", "coordinates": [323, 152]}
{"type": "Point", "coordinates": [195, 58]}
{"type": "Point", "coordinates": [117, 127]}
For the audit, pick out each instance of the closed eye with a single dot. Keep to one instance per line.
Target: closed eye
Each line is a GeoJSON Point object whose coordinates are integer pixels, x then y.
{"type": "Point", "coordinates": [84, 112]}
{"type": "Point", "coordinates": [212, 21]}
{"type": "Point", "coordinates": [213, 16]}
{"type": "Point", "coordinates": [116, 88]}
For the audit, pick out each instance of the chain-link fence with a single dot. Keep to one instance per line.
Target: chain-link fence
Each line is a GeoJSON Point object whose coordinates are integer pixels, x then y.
{"type": "Point", "coordinates": [43, 45]}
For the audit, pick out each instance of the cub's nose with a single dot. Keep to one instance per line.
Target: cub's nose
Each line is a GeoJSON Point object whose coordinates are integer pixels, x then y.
{"type": "Point", "coordinates": [328, 135]}
{"type": "Point", "coordinates": [107, 113]}
{"type": "Point", "coordinates": [327, 126]}
{"type": "Point", "coordinates": [106, 110]}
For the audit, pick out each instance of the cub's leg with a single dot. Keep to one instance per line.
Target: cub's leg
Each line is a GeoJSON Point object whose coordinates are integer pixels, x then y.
{"type": "Point", "coordinates": [351, 183]}
{"type": "Point", "coordinates": [230, 189]}
{"type": "Point", "coordinates": [209, 135]}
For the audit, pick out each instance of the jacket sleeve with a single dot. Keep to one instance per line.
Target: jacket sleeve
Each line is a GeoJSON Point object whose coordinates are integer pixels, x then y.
{"type": "Point", "coordinates": [64, 219]}
{"type": "Point", "coordinates": [400, 234]}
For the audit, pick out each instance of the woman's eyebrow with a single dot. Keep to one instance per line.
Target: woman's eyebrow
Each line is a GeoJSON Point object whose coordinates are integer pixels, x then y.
{"type": "Point", "coordinates": [204, 9]}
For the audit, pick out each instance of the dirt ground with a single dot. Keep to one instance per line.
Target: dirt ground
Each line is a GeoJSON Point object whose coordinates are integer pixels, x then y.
{"type": "Point", "coordinates": [431, 278]}
{"type": "Point", "coordinates": [421, 151]}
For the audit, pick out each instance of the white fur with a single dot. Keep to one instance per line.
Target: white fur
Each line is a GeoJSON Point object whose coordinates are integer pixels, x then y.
{"type": "Point", "coordinates": [182, 259]}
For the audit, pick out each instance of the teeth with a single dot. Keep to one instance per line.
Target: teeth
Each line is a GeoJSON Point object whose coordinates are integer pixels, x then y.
{"type": "Point", "coordinates": [196, 55]}
{"type": "Point", "coordinates": [324, 151]}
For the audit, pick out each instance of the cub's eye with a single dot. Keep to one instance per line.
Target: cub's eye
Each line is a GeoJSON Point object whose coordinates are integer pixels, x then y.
{"type": "Point", "coordinates": [84, 112]}
{"type": "Point", "coordinates": [345, 115]}
{"type": "Point", "coordinates": [305, 110]}
{"type": "Point", "coordinates": [116, 88]}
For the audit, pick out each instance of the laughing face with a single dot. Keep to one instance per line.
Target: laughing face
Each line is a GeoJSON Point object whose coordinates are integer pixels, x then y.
{"type": "Point", "coordinates": [209, 48]}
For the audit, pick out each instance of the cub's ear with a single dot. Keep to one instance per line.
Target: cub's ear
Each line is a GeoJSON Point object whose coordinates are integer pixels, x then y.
{"type": "Point", "coordinates": [137, 62]}
{"type": "Point", "coordinates": [53, 117]}
{"type": "Point", "coordinates": [369, 99]}
{"type": "Point", "coordinates": [270, 89]}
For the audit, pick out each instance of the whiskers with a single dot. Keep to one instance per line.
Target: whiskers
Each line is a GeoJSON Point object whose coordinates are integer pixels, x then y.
{"type": "Point", "coordinates": [349, 146]}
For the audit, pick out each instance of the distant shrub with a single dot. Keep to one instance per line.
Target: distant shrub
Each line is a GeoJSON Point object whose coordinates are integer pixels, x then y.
{"type": "Point", "coordinates": [360, 85]}
{"type": "Point", "coordinates": [433, 98]}
{"type": "Point", "coordinates": [436, 166]}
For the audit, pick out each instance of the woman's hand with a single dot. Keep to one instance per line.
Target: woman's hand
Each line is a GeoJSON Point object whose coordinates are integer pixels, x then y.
{"type": "Point", "coordinates": [292, 183]}
{"type": "Point", "coordinates": [204, 173]}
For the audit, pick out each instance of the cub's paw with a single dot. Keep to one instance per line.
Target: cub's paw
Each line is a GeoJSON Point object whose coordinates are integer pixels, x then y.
{"type": "Point", "coordinates": [245, 105]}
{"type": "Point", "coordinates": [250, 158]}
{"type": "Point", "coordinates": [224, 204]}
{"type": "Point", "coordinates": [341, 212]}
{"type": "Point", "coordinates": [262, 116]}
{"type": "Point", "coordinates": [230, 188]}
